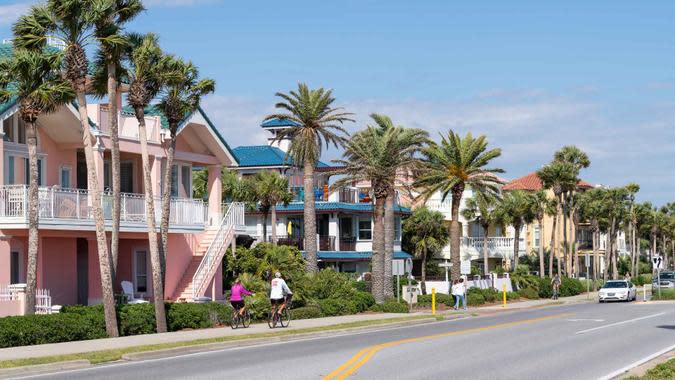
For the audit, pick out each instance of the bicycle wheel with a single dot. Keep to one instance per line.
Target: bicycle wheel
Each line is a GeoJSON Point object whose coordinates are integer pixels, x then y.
{"type": "Point", "coordinates": [285, 318]}
{"type": "Point", "coordinates": [246, 319]}
{"type": "Point", "coordinates": [235, 319]}
{"type": "Point", "coordinates": [272, 320]}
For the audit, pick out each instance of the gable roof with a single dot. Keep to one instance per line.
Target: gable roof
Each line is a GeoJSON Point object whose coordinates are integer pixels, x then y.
{"type": "Point", "coordinates": [531, 182]}
{"type": "Point", "coordinates": [265, 155]}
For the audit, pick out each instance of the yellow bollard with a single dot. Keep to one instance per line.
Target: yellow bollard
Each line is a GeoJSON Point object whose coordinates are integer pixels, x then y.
{"type": "Point", "coordinates": [433, 301]}
{"type": "Point", "coordinates": [503, 295]}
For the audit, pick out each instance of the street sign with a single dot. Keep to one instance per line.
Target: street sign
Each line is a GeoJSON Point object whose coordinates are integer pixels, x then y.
{"type": "Point", "coordinates": [465, 267]}
{"type": "Point", "coordinates": [588, 260]}
{"type": "Point", "coordinates": [445, 265]}
{"type": "Point", "coordinates": [657, 262]}
{"type": "Point", "coordinates": [408, 265]}
{"type": "Point", "coordinates": [397, 267]}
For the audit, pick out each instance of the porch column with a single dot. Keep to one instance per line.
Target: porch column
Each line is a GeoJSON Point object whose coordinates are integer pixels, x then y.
{"type": "Point", "coordinates": [215, 189]}
{"type": "Point", "coordinates": [156, 175]}
{"type": "Point", "coordinates": [5, 275]}
{"type": "Point", "coordinates": [334, 230]}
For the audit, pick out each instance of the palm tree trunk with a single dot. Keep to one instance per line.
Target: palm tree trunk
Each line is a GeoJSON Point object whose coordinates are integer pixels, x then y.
{"type": "Point", "coordinates": [551, 254]}
{"type": "Point", "coordinates": [33, 218]}
{"type": "Point", "coordinates": [608, 242]}
{"type": "Point", "coordinates": [378, 250]}
{"type": "Point", "coordinates": [155, 261]}
{"type": "Point", "coordinates": [635, 250]}
{"type": "Point", "coordinates": [310, 218]}
{"type": "Point", "coordinates": [104, 260]}
{"type": "Point", "coordinates": [166, 200]}
{"type": "Point", "coordinates": [596, 259]}
{"type": "Point", "coordinates": [273, 210]}
{"type": "Point", "coordinates": [264, 226]}
{"type": "Point", "coordinates": [423, 283]}
{"type": "Point", "coordinates": [516, 245]}
{"type": "Point", "coordinates": [486, 255]}
{"type": "Point", "coordinates": [115, 166]}
{"type": "Point", "coordinates": [565, 242]}
{"type": "Point", "coordinates": [389, 236]}
{"type": "Point", "coordinates": [575, 253]}
{"type": "Point", "coordinates": [542, 274]}
{"type": "Point", "coordinates": [455, 270]}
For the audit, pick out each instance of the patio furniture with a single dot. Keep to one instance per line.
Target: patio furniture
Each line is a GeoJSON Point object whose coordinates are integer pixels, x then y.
{"type": "Point", "coordinates": [128, 289]}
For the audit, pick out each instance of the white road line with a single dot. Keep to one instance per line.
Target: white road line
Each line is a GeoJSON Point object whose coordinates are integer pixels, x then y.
{"type": "Point", "coordinates": [637, 363]}
{"type": "Point", "coordinates": [620, 323]}
{"type": "Point", "coordinates": [584, 320]}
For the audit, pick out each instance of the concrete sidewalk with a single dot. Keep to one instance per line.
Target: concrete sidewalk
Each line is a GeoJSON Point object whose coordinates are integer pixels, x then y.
{"type": "Point", "coordinates": [85, 346]}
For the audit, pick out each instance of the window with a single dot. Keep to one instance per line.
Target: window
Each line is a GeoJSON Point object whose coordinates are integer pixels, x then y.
{"type": "Point", "coordinates": [126, 177]}
{"type": "Point", "coordinates": [174, 181]}
{"type": "Point", "coordinates": [107, 176]}
{"type": "Point", "coordinates": [65, 177]}
{"type": "Point", "coordinates": [141, 271]}
{"type": "Point", "coordinates": [536, 236]}
{"type": "Point", "coordinates": [26, 166]}
{"type": "Point", "coordinates": [397, 229]}
{"type": "Point", "coordinates": [14, 265]}
{"type": "Point", "coordinates": [21, 132]}
{"type": "Point", "coordinates": [186, 178]}
{"type": "Point", "coordinates": [365, 230]}
{"type": "Point", "coordinates": [8, 128]}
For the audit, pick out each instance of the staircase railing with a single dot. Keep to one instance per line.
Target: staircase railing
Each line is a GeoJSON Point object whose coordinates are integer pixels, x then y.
{"type": "Point", "coordinates": [234, 216]}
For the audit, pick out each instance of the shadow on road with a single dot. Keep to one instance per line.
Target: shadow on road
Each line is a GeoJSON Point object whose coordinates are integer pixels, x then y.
{"type": "Point", "coordinates": [667, 327]}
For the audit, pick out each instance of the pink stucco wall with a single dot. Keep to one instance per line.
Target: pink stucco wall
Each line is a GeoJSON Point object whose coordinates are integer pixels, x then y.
{"type": "Point", "coordinates": [179, 256]}
{"type": "Point", "coordinates": [59, 269]}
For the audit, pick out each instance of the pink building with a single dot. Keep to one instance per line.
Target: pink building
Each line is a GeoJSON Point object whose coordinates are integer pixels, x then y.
{"type": "Point", "coordinates": [67, 260]}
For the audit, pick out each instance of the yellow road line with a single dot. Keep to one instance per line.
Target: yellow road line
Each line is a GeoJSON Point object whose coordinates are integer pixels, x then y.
{"type": "Point", "coordinates": [363, 356]}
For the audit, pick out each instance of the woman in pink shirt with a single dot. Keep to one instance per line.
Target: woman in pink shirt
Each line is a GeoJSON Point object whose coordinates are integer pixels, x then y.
{"type": "Point", "coordinates": [237, 296]}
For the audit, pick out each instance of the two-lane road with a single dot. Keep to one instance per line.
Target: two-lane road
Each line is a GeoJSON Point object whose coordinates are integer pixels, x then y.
{"type": "Point", "coordinates": [584, 341]}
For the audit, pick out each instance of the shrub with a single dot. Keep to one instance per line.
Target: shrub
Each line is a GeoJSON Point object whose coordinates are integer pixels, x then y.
{"type": "Point", "coordinates": [545, 288]}
{"type": "Point", "coordinates": [571, 287]}
{"type": "Point", "coordinates": [51, 328]}
{"type": "Point", "coordinates": [359, 285]}
{"type": "Point", "coordinates": [529, 293]}
{"type": "Point", "coordinates": [363, 301]}
{"type": "Point", "coordinates": [328, 283]}
{"type": "Point", "coordinates": [258, 306]}
{"type": "Point", "coordinates": [475, 299]}
{"type": "Point", "coordinates": [666, 294]}
{"type": "Point", "coordinates": [306, 312]}
{"type": "Point", "coordinates": [425, 299]}
{"type": "Point", "coordinates": [643, 279]}
{"type": "Point", "coordinates": [137, 319]}
{"type": "Point", "coordinates": [390, 306]}
{"type": "Point", "coordinates": [488, 295]}
{"type": "Point", "coordinates": [333, 306]}
{"type": "Point", "coordinates": [196, 315]}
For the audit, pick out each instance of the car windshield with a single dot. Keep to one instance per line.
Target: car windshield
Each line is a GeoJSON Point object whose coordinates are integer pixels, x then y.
{"type": "Point", "coordinates": [668, 275]}
{"type": "Point", "coordinates": [615, 284]}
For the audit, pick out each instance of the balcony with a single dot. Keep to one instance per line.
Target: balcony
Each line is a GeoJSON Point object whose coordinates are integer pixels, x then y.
{"type": "Point", "coordinates": [325, 242]}
{"type": "Point", "coordinates": [497, 246]}
{"type": "Point", "coordinates": [344, 195]}
{"type": "Point", "coordinates": [65, 208]}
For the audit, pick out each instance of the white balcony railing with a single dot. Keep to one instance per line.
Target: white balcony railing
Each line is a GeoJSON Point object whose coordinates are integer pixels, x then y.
{"type": "Point", "coordinates": [74, 204]}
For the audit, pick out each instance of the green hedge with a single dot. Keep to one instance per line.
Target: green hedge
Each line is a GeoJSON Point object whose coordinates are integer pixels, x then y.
{"type": "Point", "coordinates": [306, 312]}
{"type": "Point", "coordinates": [475, 299]}
{"type": "Point", "coordinates": [529, 293]}
{"type": "Point", "coordinates": [425, 299]}
{"type": "Point", "coordinates": [666, 294]}
{"type": "Point", "coordinates": [333, 306]}
{"type": "Point", "coordinates": [52, 328]}
{"type": "Point", "coordinates": [391, 306]}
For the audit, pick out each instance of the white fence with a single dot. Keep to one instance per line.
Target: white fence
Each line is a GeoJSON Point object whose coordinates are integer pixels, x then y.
{"type": "Point", "coordinates": [13, 298]}
{"type": "Point", "coordinates": [74, 204]}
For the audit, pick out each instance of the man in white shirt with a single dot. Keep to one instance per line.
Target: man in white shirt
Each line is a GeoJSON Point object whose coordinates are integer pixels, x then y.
{"type": "Point", "coordinates": [278, 292]}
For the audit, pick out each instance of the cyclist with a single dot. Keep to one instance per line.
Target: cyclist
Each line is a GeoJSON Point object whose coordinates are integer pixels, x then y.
{"type": "Point", "coordinates": [278, 292]}
{"type": "Point", "coordinates": [237, 296]}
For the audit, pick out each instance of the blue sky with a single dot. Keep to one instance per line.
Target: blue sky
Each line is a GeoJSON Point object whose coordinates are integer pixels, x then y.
{"type": "Point", "coordinates": [531, 75]}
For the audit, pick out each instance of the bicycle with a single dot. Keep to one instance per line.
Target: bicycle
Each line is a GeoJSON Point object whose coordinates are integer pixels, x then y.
{"type": "Point", "coordinates": [237, 319]}
{"type": "Point", "coordinates": [283, 318]}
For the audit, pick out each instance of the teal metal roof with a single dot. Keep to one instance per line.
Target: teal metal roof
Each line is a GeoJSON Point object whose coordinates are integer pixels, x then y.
{"type": "Point", "coordinates": [277, 123]}
{"type": "Point", "coordinates": [336, 206]}
{"type": "Point", "coordinates": [265, 155]}
{"type": "Point", "coordinates": [352, 255]}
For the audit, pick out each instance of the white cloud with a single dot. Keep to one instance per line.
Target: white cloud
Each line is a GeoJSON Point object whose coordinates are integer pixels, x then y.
{"type": "Point", "coordinates": [9, 13]}
{"type": "Point", "coordinates": [177, 3]}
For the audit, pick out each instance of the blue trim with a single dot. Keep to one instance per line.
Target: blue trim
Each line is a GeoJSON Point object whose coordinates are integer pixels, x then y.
{"type": "Point", "coordinates": [352, 255]}
{"type": "Point", "coordinates": [276, 123]}
{"type": "Point", "coordinates": [265, 155]}
{"type": "Point", "coordinates": [341, 206]}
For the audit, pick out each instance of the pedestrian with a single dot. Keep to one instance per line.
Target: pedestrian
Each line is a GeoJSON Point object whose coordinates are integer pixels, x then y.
{"type": "Point", "coordinates": [555, 284]}
{"type": "Point", "coordinates": [455, 293]}
{"type": "Point", "coordinates": [628, 276]}
{"type": "Point", "coordinates": [462, 291]}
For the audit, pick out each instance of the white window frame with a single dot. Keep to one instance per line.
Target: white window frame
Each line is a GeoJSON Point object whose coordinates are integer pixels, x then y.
{"type": "Point", "coordinates": [188, 191]}
{"type": "Point", "coordinates": [358, 228]}
{"type": "Point", "coordinates": [22, 269]}
{"type": "Point", "coordinates": [42, 167]}
{"type": "Point", "coordinates": [136, 274]}
{"type": "Point", "coordinates": [536, 237]}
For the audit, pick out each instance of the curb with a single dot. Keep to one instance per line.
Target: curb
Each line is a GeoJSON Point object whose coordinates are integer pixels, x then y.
{"type": "Point", "coordinates": [642, 369]}
{"type": "Point", "coordinates": [194, 349]}
{"type": "Point", "coordinates": [43, 368]}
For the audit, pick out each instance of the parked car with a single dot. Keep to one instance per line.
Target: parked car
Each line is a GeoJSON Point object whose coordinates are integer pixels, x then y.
{"type": "Point", "coordinates": [667, 280]}
{"type": "Point", "coordinates": [617, 290]}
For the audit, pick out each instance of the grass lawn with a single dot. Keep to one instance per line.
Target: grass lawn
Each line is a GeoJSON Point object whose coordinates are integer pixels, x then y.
{"type": "Point", "coordinates": [665, 371]}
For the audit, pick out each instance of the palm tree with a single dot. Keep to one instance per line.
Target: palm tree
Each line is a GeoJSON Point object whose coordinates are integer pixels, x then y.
{"type": "Point", "coordinates": [33, 80]}
{"type": "Point", "coordinates": [641, 216]}
{"type": "Point", "coordinates": [515, 209]}
{"type": "Point", "coordinates": [632, 188]}
{"type": "Point", "coordinates": [481, 208]}
{"type": "Point", "coordinates": [108, 30]}
{"type": "Point", "coordinates": [425, 234]}
{"type": "Point", "coordinates": [145, 61]}
{"type": "Point", "coordinates": [269, 188]}
{"type": "Point", "coordinates": [183, 93]}
{"type": "Point", "coordinates": [542, 206]}
{"type": "Point", "coordinates": [578, 160]}
{"type": "Point", "coordinates": [557, 176]}
{"type": "Point", "coordinates": [317, 123]}
{"type": "Point", "coordinates": [72, 22]}
{"type": "Point", "coordinates": [451, 166]}
{"type": "Point", "coordinates": [402, 157]}
{"type": "Point", "coordinates": [376, 154]}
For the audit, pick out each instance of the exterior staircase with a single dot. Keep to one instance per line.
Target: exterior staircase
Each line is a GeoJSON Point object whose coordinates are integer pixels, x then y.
{"type": "Point", "coordinates": [209, 255]}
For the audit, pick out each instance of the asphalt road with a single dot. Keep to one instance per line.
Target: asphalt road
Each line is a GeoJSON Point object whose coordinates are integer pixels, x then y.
{"type": "Point", "coordinates": [583, 341]}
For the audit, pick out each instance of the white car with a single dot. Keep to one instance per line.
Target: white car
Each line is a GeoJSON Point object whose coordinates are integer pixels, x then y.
{"type": "Point", "coordinates": [617, 290]}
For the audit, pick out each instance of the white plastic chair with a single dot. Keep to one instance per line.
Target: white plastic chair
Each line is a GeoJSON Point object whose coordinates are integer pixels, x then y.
{"type": "Point", "coordinates": [128, 289]}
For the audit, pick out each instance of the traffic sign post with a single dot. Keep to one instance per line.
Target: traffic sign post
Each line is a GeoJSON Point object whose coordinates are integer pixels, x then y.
{"type": "Point", "coordinates": [588, 277]}
{"type": "Point", "coordinates": [657, 261]}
